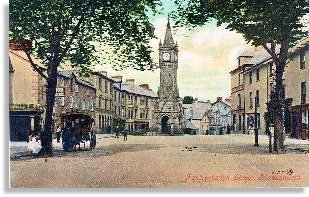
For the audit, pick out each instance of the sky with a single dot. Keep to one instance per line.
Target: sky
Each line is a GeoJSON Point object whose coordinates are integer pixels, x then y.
{"type": "Point", "coordinates": [206, 56]}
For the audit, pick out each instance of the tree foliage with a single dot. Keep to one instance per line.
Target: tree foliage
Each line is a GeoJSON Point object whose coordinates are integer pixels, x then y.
{"type": "Point", "coordinates": [75, 31]}
{"type": "Point", "coordinates": [259, 22]}
{"type": "Point", "coordinates": [188, 100]}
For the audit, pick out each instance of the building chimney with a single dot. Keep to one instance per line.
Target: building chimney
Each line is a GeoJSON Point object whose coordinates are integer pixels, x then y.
{"type": "Point", "coordinates": [16, 46]}
{"type": "Point", "coordinates": [219, 99]}
{"type": "Point", "coordinates": [130, 82]}
{"type": "Point", "coordinates": [145, 86]}
{"type": "Point", "coordinates": [117, 78]}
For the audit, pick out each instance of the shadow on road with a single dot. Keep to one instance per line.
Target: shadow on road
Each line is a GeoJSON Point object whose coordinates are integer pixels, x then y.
{"type": "Point", "coordinates": [97, 152]}
{"type": "Point", "coordinates": [234, 149]}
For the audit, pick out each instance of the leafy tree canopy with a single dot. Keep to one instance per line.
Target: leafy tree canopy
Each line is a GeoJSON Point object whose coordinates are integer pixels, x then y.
{"type": "Point", "coordinates": [73, 30]}
{"type": "Point", "coordinates": [188, 100]}
{"type": "Point", "coordinates": [260, 22]}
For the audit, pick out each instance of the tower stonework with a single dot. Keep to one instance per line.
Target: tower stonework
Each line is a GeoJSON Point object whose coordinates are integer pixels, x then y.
{"type": "Point", "coordinates": [167, 118]}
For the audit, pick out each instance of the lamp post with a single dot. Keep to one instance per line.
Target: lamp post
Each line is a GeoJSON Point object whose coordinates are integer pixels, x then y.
{"type": "Point", "coordinates": [256, 131]}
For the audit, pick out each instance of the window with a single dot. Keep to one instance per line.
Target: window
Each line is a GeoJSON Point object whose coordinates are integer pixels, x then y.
{"type": "Point", "coordinates": [251, 100]}
{"type": "Point", "coordinates": [302, 59]}
{"type": "Point", "coordinates": [71, 84]}
{"type": "Point", "coordinates": [62, 82]}
{"type": "Point", "coordinates": [239, 101]}
{"type": "Point", "coordinates": [62, 101]}
{"type": "Point", "coordinates": [257, 98]}
{"type": "Point", "coordinates": [100, 102]}
{"type": "Point", "coordinates": [76, 104]}
{"type": "Point", "coordinates": [258, 74]}
{"type": "Point", "coordinates": [106, 90]}
{"type": "Point", "coordinates": [76, 88]}
{"type": "Point", "coordinates": [88, 92]}
{"type": "Point", "coordinates": [239, 121]}
{"type": "Point", "coordinates": [71, 102]}
{"type": "Point", "coordinates": [83, 105]}
{"type": "Point", "coordinates": [303, 92]}
{"type": "Point", "coordinates": [92, 108]}
{"type": "Point", "coordinates": [100, 83]}
{"type": "Point", "coordinates": [250, 77]}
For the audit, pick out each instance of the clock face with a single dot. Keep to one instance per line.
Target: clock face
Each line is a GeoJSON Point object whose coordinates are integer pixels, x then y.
{"type": "Point", "coordinates": [166, 56]}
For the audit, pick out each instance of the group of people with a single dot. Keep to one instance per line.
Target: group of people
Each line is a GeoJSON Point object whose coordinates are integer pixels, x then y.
{"type": "Point", "coordinates": [34, 144]}
{"type": "Point", "coordinates": [70, 139]}
{"type": "Point", "coordinates": [124, 132]}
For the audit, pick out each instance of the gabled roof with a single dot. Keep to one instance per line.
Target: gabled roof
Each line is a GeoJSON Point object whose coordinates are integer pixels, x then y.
{"type": "Point", "coordinates": [134, 89]}
{"type": "Point", "coordinates": [69, 73]}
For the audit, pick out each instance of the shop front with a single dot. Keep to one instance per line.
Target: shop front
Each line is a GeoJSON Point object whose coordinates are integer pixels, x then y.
{"type": "Point", "coordinates": [300, 121]}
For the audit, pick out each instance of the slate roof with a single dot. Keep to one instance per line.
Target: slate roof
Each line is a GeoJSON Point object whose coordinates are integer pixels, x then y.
{"type": "Point", "coordinates": [134, 89]}
{"type": "Point", "coordinates": [68, 74]}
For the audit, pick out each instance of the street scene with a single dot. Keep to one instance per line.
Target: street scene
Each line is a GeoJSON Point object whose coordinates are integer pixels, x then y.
{"type": "Point", "coordinates": [167, 162]}
{"type": "Point", "coordinates": [158, 94]}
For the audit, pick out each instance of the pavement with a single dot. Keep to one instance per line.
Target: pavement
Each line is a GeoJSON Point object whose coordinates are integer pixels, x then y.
{"type": "Point", "coordinates": [18, 149]}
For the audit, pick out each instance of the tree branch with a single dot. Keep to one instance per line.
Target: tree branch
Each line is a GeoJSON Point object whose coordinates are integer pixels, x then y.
{"type": "Point", "coordinates": [76, 31]}
{"type": "Point", "coordinates": [271, 52]}
{"type": "Point", "coordinates": [33, 65]}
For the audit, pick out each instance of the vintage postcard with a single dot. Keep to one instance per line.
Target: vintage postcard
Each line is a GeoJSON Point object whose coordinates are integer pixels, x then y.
{"type": "Point", "coordinates": [158, 94]}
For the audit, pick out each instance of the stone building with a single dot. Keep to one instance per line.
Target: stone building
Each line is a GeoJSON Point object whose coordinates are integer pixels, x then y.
{"type": "Point", "coordinates": [219, 116]}
{"type": "Point", "coordinates": [27, 99]}
{"type": "Point", "coordinates": [197, 114]}
{"type": "Point", "coordinates": [297, 82]}
{"type": "Point", "coordinates": [252, 85]}
{"type": "Point", "coordinates": [168, 117]}
{"type": "Point", "coordinates": [207, 116]}
{"type": "Point", "coordinates": [104, 104]}
{"type": "Point", "coordinates": [137, 105]}
{"type": "Point", "coordinates": [237, 92]}
{"type": "Point", "coordinates": [119, 105]}
{"type": "Point", "coordinates": [75, 101]}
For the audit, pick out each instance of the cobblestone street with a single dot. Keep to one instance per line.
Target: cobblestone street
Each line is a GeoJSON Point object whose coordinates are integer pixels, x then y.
{"type": "Point", "coordinates": [167, 161]}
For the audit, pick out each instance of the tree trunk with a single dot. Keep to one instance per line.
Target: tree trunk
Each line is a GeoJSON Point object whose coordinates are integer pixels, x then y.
{"type": "Point", "coordinates": [279, 96]}
{"type": "Point", "coordinates": [46, 135]}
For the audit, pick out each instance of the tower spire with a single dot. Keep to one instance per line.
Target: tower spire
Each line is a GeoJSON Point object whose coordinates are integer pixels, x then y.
{"type": "Point", "coordinates": [168, 39]}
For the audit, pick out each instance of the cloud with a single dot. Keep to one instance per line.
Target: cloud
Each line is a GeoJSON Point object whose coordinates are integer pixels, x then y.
{"type": "Point", "coordinates": [206, 56]}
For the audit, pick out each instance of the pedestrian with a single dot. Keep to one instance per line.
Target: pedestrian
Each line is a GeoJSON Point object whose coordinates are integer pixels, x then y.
{"type": "Point", "coordinates": [58, 133]}
{"type": "Point", "coordinates": [117, 132]}
{"type": "Point", "coordinates": [93, 138]}
{"type": "Point", "coordinates": [228, 129]}
{"type": "Point", "coordinates": [31, 144]}
{"type": "Point", "coordinates": [37, 145]}
{"type": "Point", "coordinates": [125, 134]}
{"type": "Point", "coordinates": [66, 139]}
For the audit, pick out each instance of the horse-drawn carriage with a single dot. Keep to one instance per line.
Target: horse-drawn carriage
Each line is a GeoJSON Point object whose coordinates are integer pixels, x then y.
{"type": "Point", "coordinates": [78, 129]}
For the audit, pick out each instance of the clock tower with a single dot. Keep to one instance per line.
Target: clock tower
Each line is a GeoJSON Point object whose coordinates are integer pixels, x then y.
{"type": "Point", "coordinates": [168, 64]}
{"type": "Point", "coordinates": [167, 118]}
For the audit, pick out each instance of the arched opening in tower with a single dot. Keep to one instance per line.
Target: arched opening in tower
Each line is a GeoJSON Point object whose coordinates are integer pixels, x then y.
{"type": "Point", "coordinates": [165, 125]}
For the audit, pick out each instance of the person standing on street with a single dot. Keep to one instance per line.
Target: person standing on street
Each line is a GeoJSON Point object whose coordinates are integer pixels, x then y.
{"type": "Point", "coordinates": [58, 133]}
{"type": "Point", "coordinates": [125, 134]}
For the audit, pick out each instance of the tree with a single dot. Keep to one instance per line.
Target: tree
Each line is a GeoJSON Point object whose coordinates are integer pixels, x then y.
{"type": "Point", "coordinates": [273, 24]}
{"type": "Point", "coordinates": [74, 32]}
{"type": "Point", "coordinates": [188, 100]}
